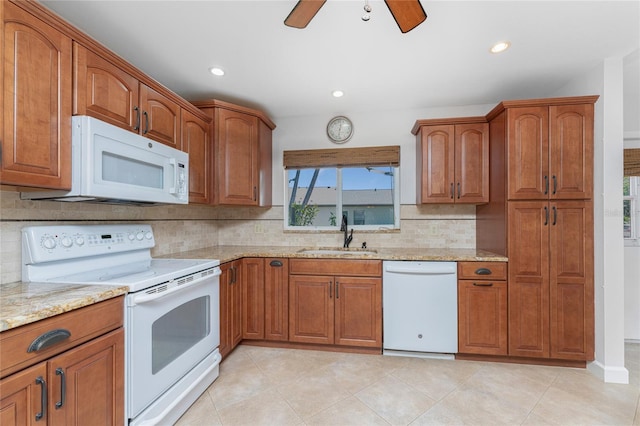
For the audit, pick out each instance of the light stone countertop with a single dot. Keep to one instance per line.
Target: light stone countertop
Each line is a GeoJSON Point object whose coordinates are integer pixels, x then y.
{"type": "Point", "coordinates": [230, 253]}
{"type": "Point", "coordinates": [23, 303]}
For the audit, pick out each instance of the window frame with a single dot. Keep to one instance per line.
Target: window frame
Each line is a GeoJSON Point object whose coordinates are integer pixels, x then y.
{"type": "Point", "coordinates": [339, 204]}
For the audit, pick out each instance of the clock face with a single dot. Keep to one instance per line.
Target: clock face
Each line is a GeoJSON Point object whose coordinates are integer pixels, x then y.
{"type": "Point", "coordinates": [339, 129]}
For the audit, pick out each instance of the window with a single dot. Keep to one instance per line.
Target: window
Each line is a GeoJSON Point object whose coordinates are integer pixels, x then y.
{"type": "Point", "coordinates": [360, 184]}
{"type": "Point", "coordinates": [630, 207]}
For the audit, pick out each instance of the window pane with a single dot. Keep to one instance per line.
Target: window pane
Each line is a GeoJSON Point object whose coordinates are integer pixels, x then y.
{"type": "Point", "coordinates": [312, 196]}
{"type": "Point", "coordinates": [628, 233]}
{"type": "Point", "coordinates": [367, 195]}
{"type": "Point", "coordinates": [626, 187]}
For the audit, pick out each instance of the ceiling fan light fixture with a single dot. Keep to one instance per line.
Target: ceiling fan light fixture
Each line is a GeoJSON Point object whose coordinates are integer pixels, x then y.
{"type": "Point", "coordinates": [216, 71]}
{"type": "Point", "coordinates": [500, 47]}
{"type": "Point", "coordinates": [337, 93]}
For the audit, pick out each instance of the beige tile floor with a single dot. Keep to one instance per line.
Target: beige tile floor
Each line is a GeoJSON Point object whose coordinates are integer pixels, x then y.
{"type": "Point", "coordinates": [266, 386]}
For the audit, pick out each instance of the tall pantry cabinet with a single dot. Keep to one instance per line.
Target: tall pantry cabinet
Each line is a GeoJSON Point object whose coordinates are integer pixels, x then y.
{"type": "Point", "coordinates": [541, 217]}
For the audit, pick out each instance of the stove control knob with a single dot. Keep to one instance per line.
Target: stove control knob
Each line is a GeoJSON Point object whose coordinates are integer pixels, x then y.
{"type": "Point", "coordinates": [148, 235]}
{"type": "Point", "coordinates": [132, 237]}
{"type": "Point", "coordinates": [49, 243]}
{"type": "Point", "coordinates": [66, 242]}
{"type": "Point", "coordinates": [140, 236]}
{"type": "Point", "coordinates": [79, 241]}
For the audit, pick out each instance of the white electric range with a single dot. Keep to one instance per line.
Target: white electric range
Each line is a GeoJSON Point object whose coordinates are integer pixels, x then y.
{"type": "Point", "coordinates": [172, 310]}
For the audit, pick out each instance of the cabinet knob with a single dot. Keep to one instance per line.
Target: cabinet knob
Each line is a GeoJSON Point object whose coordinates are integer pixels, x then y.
{"type": "Point", "coordinates": [483, 271]}
{"type": "Point", "coordinates": [276, 263]}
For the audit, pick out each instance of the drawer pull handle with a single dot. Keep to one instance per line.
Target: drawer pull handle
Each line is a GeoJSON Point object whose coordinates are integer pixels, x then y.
{"type": "Point", "coordinates": [43, 398]}
{"type": "Point", "coordinates": [483, 271]}
{"type": "Point", "coordinates": [483, 284]}
{"type": "Point", "coordinates": [48, 339]}
{"type": "Point", "coordinates": [276, 263]}
{"type": "Point", "coordinates": [63, 387]}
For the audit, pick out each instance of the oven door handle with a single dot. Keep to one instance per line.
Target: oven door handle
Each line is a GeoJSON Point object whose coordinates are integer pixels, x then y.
{"type": "Point", "coordinates": [143, 297]}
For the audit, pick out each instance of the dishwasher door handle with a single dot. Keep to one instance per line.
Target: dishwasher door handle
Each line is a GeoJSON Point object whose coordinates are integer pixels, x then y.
{"type": "Point", "coordinates": [420, 271]}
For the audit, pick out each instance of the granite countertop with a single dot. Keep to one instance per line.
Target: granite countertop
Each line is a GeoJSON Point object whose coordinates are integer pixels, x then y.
{"type": "Point", "coordinates": [23, 303]}
{"type": "Point", "coordinates": [229, 253]}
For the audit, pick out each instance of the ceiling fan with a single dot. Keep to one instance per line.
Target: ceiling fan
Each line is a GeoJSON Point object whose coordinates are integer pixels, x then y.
{"type": "Point", "coordinates": [407, 13]}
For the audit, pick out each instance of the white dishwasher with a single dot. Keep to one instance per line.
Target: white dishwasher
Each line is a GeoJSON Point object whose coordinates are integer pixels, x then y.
{"type": "Point", "coordinates": [420, 307]}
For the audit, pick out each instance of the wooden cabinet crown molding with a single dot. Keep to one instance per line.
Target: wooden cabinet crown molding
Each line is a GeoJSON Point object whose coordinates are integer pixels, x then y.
{"type": "Point", "coordinates": [216, 103]}
{"type": "Point", "coordinates": [540, 102]}
{"type": "Point", "coordinates": [43, 13]}
{"type": "Point", "coordinates": [446, 121]}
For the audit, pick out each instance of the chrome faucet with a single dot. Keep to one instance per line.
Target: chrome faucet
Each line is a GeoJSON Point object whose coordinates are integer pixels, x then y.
{"type": "Point", "coordinates": [347, 237]}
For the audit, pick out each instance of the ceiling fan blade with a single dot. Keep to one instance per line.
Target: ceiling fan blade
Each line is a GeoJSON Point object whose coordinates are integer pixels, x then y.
{"type": "Point", "coordinates": [407, 13]}
{"type": "Point", "coordinates": [303, 12]}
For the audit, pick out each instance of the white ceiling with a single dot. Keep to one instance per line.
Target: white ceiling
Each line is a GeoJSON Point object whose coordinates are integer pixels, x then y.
{"type": "Point", "coordinates": [290, 72]}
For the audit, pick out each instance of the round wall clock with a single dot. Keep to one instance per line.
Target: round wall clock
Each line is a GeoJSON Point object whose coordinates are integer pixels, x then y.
{"type": "Point", "coordinates": [339, 129]}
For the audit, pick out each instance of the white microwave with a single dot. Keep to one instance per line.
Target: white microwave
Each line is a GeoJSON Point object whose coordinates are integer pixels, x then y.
{"type": "Point", "coordinates": [113, 165]}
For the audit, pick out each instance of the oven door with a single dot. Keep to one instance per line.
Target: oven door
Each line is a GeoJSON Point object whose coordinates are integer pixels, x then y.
{"type": "Point", "coordinates": [170, 328]}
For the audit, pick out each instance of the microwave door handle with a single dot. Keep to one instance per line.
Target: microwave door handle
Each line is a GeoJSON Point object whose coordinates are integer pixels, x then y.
{"type": "Point", "coordinates": [174, 188]}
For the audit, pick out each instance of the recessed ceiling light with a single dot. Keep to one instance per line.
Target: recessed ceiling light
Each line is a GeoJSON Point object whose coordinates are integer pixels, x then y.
{"type": "Point", "coordinates": [500, 47]}
{"type": "Point", "coordinates": [216, 71]}
{"type": "Point", "coordinates": [337, 93]}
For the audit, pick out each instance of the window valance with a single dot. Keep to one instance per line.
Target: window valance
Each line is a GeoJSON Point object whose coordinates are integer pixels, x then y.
{"type": "Point", "coordinates": [632, 162]}
{"type": "Point", "coordinates": [342, 157]}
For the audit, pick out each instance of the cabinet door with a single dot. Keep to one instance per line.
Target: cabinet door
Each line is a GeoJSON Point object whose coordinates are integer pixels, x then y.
{"type": "Point", "coordinates": [36, 139]}
{"type": "Point", "coordinates": [482, 317]}
{"type": "Point", "coordinates": [238, 162]}
{"type": "Point", "coordinates": [571, 151]}
{"type": "Point", "coordinates": [104, 91]}
{"type": "Point", "coordinates": [358, 311]}
{"type": "Point", "coordinates": [276, 299]}
{"type": "Point", "coordinates": [22, 400]}
{"type": "Point", "coordinates": [571, 280]}
{"type": "Point", "coordinates": [225, 309]}
{"type": "Point", "coordinates": [528, 153]}
{"type": "Point", "coordinates": [235, 302]}
{"type": "Point", "coordinates": [253, 298]}
{"type": "Point", "coordinates": [472, 163]}
{"type": "Point", "coordinates": [528, 254]}
{"type": "Point", "coordinates": [196, 140]}
{"type": "Point", "coordinates": [160, 119]}
{"type": "Point", "coordinates": [87, 383]}
{"type": "Point", "coordinates": [435, 160]}
{"type": "Point", "coordinates": [311, 316]}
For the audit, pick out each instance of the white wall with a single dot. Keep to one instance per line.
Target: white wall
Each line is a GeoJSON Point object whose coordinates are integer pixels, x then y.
{"type": "Point", "coordinates": [370, 129]}
{"type": "Point", "coordinates": [606, 81]}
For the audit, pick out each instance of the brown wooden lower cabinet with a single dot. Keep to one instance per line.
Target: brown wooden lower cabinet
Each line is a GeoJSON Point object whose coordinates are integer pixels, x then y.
{"type": "Point", "coordinates": [76, 384]}
{"type": "Point", "coordinates": [335, 309]}
{"type": "Point", "coordinates": [253, 298]}
{"type": "Point", "coordinates": [482, 308]}
{"type": "Point", "coordinates": [276, 299]}
{"type": "Point", "coordinates": [551, 280]}
{"type": "Point", "coordinates": [230, 307]}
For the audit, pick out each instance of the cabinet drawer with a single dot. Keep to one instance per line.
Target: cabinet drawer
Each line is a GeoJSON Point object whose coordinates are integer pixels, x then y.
{"type": "Point", "coordinates": [83, 324]}
{"type": "Point", "coordinates": [482, 270]}
{"type": "Point", "coordinates": [360, 268]}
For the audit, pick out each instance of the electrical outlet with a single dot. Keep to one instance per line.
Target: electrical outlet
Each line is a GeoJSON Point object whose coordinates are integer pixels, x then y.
{"type": "Point", "coordinates": [258, 228]}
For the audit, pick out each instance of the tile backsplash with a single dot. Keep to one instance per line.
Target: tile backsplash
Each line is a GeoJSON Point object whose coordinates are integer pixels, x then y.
{"type": "Point", "coordinates": [180, 228]}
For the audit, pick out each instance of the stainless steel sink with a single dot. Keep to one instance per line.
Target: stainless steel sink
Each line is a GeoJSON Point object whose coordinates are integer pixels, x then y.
{"type": "Point", "coordinates": [338, 251]}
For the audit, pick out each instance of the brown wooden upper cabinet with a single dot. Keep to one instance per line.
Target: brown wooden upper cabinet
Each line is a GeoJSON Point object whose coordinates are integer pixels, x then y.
{"type": "Point", "coordinates": [107, 92]}
{"type": "Point", "coordinates": [196, 140]}
{"type": "Point", "coordinates": [550, 152]}
{"type": "Point", "coordinates": [242, 154]}
{"type": "Point", "coordinates": [452, 161]}
{"type": "Point", "coordinates": [36, 100]}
